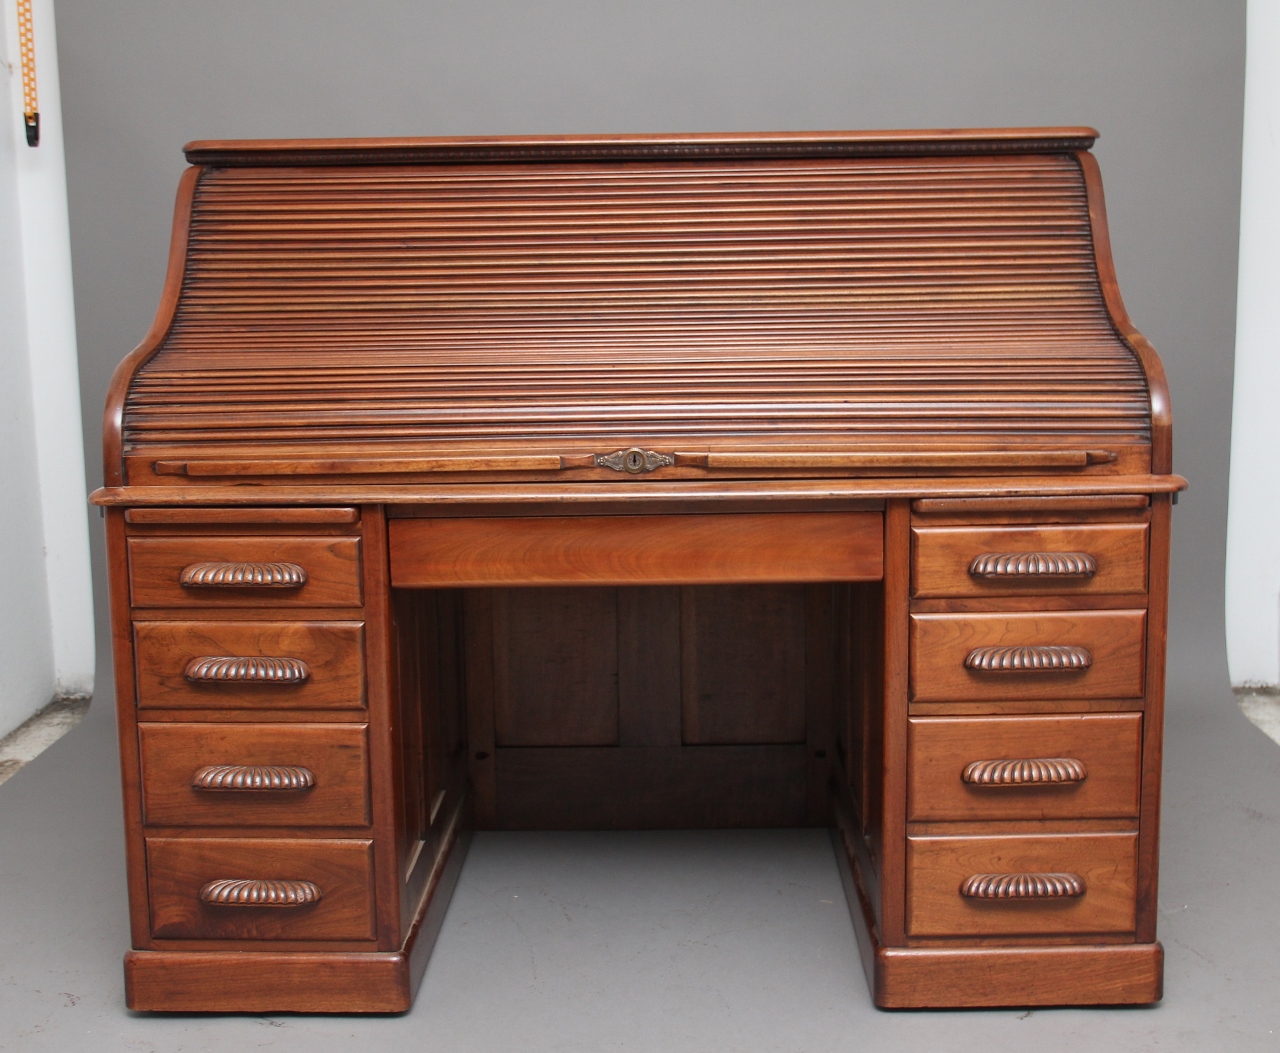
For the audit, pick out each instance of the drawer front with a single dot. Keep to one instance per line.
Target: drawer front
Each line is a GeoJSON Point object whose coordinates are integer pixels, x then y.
{"type": "Point", "coordinates": [1018, 561]}
{"type": "Point", "coordinates": [254, 774]}
{"type": "Point", "coordinates": [1075, 766]}
{"type": "Point", "coordinates": [308, 571]}
{"type": "Point", "coordinates": [637, 549]}
{"type": "Point", "coordinates": [1016, 884]}
{"type": "Point", "coordinates": [1010, 657]}
{"type": "Point", "coordinates": [314, 665]}
{"type": "Point", "coordinates": [323, 889]}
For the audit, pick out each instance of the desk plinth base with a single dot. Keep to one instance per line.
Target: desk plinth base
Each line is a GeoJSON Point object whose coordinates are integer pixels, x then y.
{"type": "Point", "coordinates": [298, 982]}
{"type": "Point", "coordinates": [990, 977]}
{"type": "Point", "coordinates": [993, 977]}
{"type": "Point", "coordinates": [265, 982]}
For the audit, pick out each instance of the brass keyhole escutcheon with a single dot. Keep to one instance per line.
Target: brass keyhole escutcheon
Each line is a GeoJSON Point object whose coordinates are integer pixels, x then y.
{"type": "Point", "coordinates": [634, 460]}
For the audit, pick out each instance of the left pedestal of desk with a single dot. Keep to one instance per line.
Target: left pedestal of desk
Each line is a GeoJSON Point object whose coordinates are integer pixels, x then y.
{"type": "Point", "coordinates": [295, 819]}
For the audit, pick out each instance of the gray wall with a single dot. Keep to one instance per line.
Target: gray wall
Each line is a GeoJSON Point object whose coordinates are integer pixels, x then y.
{"type": "Point", "coordinates": [1162, 80]}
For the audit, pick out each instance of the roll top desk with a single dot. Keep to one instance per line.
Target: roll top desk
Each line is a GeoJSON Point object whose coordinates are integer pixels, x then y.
{"type": "Point", "coordinates": [636, 481]}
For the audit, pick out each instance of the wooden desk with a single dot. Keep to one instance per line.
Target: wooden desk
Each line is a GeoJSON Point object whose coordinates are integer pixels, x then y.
{"type": "Point", "coordinates": [640, 482]}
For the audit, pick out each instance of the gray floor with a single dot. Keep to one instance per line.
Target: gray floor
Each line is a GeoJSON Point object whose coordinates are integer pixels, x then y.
{"type": "Point", "coordinates": [657, 941]}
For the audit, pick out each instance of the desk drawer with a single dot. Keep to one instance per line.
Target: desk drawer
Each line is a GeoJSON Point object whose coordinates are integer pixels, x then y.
{"type": "Point", "coordinates": [205, 774]}
{"type": "Point", "coordinates": [992, 657]}
{"type": "Point", "coordinates": [712, 549]}
{"type": "Point", "coordinates": [244, 571]}
{"type": "Point", "coordinates": [1026, 561]}
{"type": "Point", "coordinates": [1076, 766]}
{"type": "Point", "coordinates": [1029, 884]}
{"type": "Point", "coordinates": [307, 665]}
{"type": "Point", "coordinates": [205, 888]}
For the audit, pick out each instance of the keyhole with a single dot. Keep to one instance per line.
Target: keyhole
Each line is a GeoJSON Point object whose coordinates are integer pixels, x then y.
{"type": "Point", "coordinates": [635, 461]}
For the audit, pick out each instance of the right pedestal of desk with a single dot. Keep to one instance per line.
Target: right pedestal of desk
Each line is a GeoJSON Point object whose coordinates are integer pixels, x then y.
{"type": "Point", "coordinates": [998, 797]}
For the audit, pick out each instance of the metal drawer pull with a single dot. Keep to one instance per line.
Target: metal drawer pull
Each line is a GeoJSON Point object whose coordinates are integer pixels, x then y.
{"type": "Point", "coordinates": [1033, 565]}
{"type": "Point", "coordinates": [253, 777]}
{"type": "Point", "coordinates": [231, 892]}
{"type": "Point", "coordinates": [1047, 659]}
{"type": "Point", "coordinates": [211, 668]}
{"type": "Point", "coordinates": [1029, 772]}
{"type": "Point", "coordinates": [1022, 886]}
{"type": "Point", "coordinates": [243, 576]}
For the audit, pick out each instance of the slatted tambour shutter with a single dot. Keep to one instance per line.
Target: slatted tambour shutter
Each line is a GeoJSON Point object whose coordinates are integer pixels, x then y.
{"type": "Point", "coordinates": [847, 303]}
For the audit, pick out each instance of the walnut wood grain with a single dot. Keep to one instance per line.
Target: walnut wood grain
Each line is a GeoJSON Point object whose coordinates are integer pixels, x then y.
{"type": "Point", "coordinates": [555, 667]}
{"type": "Point", "coordinates": [253, 778]}
{"type": "Point", "coordinates": [1025, 459]}
{"type": "Point", "coordinates": [223, 516]}
{"type": "Point", "coordinates": [359, 465]}
{"type": "Point", "coordinates": [331, 652]}
{"type": "Point", "coordinates": [782, 313]}
{"type": "Point", "coordinates": [885, 819]}
{"type": "Point", "coordinates": [393, 911]}
{"type": "Point", "coordinates": [246, 670]}
{"type": "Point", "coordinates": [267, 980]}
{"type": "Point", "coordinates": [1035, 559]}
{"type": "Point", "coordinates": [637, 549]}
{"type": "Point", "coordinates": [1157, 384]}
{"type": "Point", "coordinates": [658, 787]}
{"type": "Point", "coordinates": [673, 495]}
{"type": "Point", "coordinates": [998, 505]}
{"type": "Point", "coordinates": [743, 664]}
{"type": "Point", "coordinates": [122, 376]}
{"type": "Point", "coordinates": [939, 868]}
{"type": "Point", "coordinates": [1027, 656]}
{"type": "Point", "coordinates": [481, 691]}
{"type": "Point", "coordinates": [221, 774]}
{"type": "Point", "coordinates": [1022, 886]}
{"type": "Point", "coordinates": [229, 571]}
{"type": "Point", "coordinates": [125, 683]}
{"type": "Point", "coordinates": [1153, 721]}
{"type": "Point", "coordinates": [1049, 766]}
{"type": "Point", "coordinates": [256, 892]}
{"type": "Point", "coordinates": [180, 869]}
{"type": "Point", "coordinates": [1117, 974]}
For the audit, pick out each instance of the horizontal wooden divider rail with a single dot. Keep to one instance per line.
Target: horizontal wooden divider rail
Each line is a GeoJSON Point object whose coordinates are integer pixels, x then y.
{"type": "Point", "coordinates": [796, 479]}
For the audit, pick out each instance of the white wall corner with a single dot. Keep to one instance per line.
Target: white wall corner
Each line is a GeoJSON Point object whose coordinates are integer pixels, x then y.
{"type": "Point", "coordinates": [54, 373]}
{"type": "Point", "coordinates": [1253, 522]}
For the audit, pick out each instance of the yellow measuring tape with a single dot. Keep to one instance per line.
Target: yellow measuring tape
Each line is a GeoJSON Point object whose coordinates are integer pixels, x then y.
{"type": "Point", "coordinates": [27, 45]}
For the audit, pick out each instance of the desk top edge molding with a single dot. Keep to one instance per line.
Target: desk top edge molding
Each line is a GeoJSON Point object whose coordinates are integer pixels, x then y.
{"type": "Point", "coordinates": [521, 149]}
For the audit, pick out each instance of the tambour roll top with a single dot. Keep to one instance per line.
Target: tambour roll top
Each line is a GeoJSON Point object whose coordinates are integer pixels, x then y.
{"type": "Point", "coordinates": [832, 304]}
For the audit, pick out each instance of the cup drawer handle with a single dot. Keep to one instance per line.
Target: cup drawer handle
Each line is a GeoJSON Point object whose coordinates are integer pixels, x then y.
{"type": "Point", "coordinates": [1031, 771]}
{"type": "Point", "coordinates": [243, 576]}
{"type": "Point", "coordinates": [1043, 659]}
{"type": "Point", "coordinates": [241, 892]}
{"type": "Point", "coordinates": [1022, 886]}
{"type": "Point", "coordinates": [1033, 565]}
{"type": "Point", "coordinates": [253, 777]}
{"type": "Point", "coordinates": [214, 668]}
